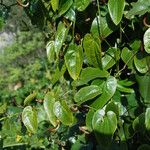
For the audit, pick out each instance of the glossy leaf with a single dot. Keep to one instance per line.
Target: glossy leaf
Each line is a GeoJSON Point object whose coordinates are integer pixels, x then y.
{"type": "Point", "coordinates": [127, 56]}
{"type": "Point", "coordinates": [116, 8]}
{"type": "Point", "coordinates": [89, 117]}
{"type": "Point", "coordinates": [55, 4]}
{"type": "Point", "coordinates": [50, 51]}
{"type": "Point", "coordinates": [90, 73]}
{"type": "Point", "coordinates": [147, 41]}
{"type": "Point", "coordinates": [29, 118]}
{"type": "Point", "coordinates": [144, 87]}
{"type": "Point", "coordinates": [124, 89]}
{"type": "Point", "coordinates": [30, 98]}
{"type": "Point", "coordinates": [81, 4]}
{"type": "Point", "coordinates": [147, 119]}
{"type": "Point", "coordinates": [71, 15]}
{"type": "Point", "coordinates": [63, 113]}
{"type": "Point", "coordinates": [92, 51]}
{"type": "Point", "coordinates": [61, 34]}
{"type": "Point", "coordinates": [64, 6]}
{"type": "Point", "coordinates": [74, 60]}
{"type": "Point", "coordinates": [87, 93]}
{"type": "Point", "coordinates": [139, 8]}
{"type": "Point", "coordinates": [102, 26]}
{"type": "Point", "coordinates": [104, 126]}
{"type": "Point", "coordinates": [108, 91]}
{"type": "Point", "coordinates": [110, 58]}
{"type": "Point", "coordinates": [48, 103]}
{"type": "Point", "coordinates": [141, 63]}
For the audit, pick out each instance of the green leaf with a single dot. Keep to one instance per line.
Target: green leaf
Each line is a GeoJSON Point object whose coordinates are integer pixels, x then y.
{"type": "Point", "coordinates": [55, 4]}
{"type": "Point", "coordinates": [110, 58]}
{"type": "Point", "coordinates": [48, 103]}
{"type": "Point", "coordinates": [63, 113]}
{"type": "Point", "coordinates": [87, 93]}
{"type": "Point", "coordinates": [104, 126]}
{"type": "Point", "coordinates": [61, 34]}
{"type": "Point", "coordinates": [147, 119]}
{"type": "Point", "coordinates": [50, 51]}
{"type": "Point", "coordinates": [127, 56]}
{"type": "Point", "coordinates": [92, 51]}
{"type": "Point", "coordinates": [29, 118]}
{"type": "Point", "coordinates": [89, 117]}
{"type": "Point", "coordinates": [116, 8]}
{"type": "Point", "coordinates": [71, 15]}
{"type": "Point", "coordinates": [64, 6]}
{"type": "Point", "coordinates": [90, 73]}
{"type": "Point", "coordinates": [81, 4]}
{"type": "Point", "coordinates": [30, 98]}
{"type": "Point", "coordinates": [3, 108]}
{"type": "Point", "coordinates": [124, 89]}
{"type": "Point", "coordinates": [109, 88]}
{"type": "Point", "coordinates": [139, 8]}
{"type": "Point", "coordinates": [139, 123]}
{"type": "Point", "coordinates": [74, 60]}
{"type": "Point", "coordinates": [147, 41]}
{"type": "Point", "coordinates": [102, 26]}
{"type": "Point", "coordinates": [141, 62]}
{"type": "Point", "coordinates": [144, 87]}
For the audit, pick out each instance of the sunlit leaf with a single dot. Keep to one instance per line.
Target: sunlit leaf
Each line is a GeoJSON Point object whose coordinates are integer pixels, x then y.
{"type": "Point", "coordinates": [74, 60]}
{"type": "Point", "coordinates": [81, 4]}
{"type": "Point", "coordinates": [147, 41]}
{"type": "Point", "coordinates": [87, 93]}
{"type": "Point", "coordinates": [48, 103]}
{"type": "Point", "coordinates": [29, 118]}
{"type": "Point", "coordinates": [116, 8]}
{"type": "Point", "coordinates": [55, 4]}
{"type": "Point", "coordinates": [104, 126]}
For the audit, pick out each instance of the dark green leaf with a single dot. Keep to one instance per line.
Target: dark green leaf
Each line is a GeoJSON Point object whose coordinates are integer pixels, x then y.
{"type": "Point", "coordinates": [29, 118]}
{"type": "Point", "coordinates": [116, 8]}
{"type": "Point", "coordinates": [87, 93]}
{"type": "Point", "coordinates": [144, 147]}
{"type": "Point", "coordinates": [74, 60]}
{"type": "Point", "coordinates": [48, 103]}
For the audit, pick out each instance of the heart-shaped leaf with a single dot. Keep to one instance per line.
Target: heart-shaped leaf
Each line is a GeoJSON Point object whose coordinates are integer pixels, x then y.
{"type": "Point", "coordinates": [147, 41]}
{"type": "Point", "coordinates": [29, 118]}
{"type": "Point", "coordinates": [74, 60]}
{"type": "Point", "coordinates": [104, 126]}
{"type": "Point", "coordinates": [87, 93]}
{"type": "Point", "coordinates": [116, 8]}
{"type": "Point", "coordinates": [48, 103]}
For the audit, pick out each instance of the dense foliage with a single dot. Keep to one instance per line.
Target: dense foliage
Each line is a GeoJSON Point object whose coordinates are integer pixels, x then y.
{"type": "Point", "coordinates": [93, 93]}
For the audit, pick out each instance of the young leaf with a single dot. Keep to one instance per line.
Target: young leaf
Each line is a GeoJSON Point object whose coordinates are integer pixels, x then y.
{"type": "Point", "coordinates": [87, 93]}
{"type": "Point", "coordinates": [30, 98]}
{"type": "Point", "coordinates": [92, 51]}
{"type": "Point", "coordinates": [61, 34]}
{"type": "Point", "coordinates": [108, 91]}
{"type": "Point", "coordinates": [81, 4]}
{"type": "Point", "coordinates": [54, 4]}
{"type": "Point", "coordinates": [49, 101]}
{"type": "Point", "coordinates": [29, 118]}
{"type": "Point", "coordinates": [147, 41]}
{"type": "Point", "coordinates": [116, 8]}
{"type": "Point", "coordinates": [74, 60]}
{"type": "Point", "coordinates": [104, 126]}
{"type": "Point", "coordinates": [63, 113]}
